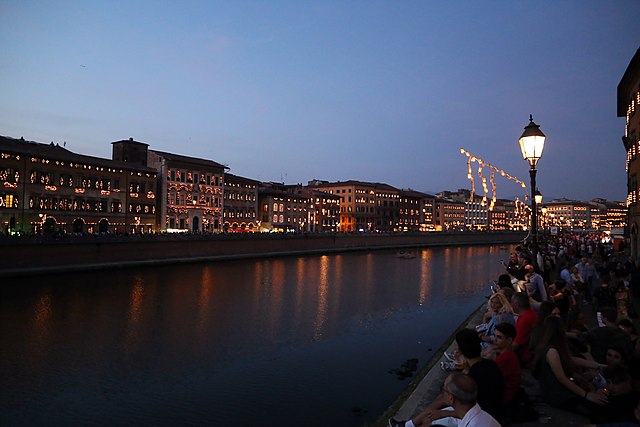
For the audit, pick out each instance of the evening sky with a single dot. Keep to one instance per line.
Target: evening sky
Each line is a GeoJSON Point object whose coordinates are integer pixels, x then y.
{"type": "Point", "coordinates": [289, 91]}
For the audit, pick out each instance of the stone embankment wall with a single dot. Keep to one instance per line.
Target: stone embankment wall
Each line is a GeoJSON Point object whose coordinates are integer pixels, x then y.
{"type": "Point", "coordinates": [47, 256]}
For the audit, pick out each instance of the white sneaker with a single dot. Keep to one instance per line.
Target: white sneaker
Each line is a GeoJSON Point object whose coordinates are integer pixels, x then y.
{"type": "Point", "coordinates": [451, 357]}
{"type": "Point", "coordinates": [449, 366]}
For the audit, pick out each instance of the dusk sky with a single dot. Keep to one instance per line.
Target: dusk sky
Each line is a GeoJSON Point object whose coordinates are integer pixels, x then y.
{"type": "Point", "coordinates": [381, 91]}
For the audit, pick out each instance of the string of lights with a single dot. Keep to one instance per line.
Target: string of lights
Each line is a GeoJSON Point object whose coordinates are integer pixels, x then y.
{"type": "Point", "coordinates": [482, 164]}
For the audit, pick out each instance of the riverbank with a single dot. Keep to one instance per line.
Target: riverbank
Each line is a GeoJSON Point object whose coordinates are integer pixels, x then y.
{"type": "Point", "coordinates": [427, 386]}
{"type": "Point", "coordinates": [33, 256]}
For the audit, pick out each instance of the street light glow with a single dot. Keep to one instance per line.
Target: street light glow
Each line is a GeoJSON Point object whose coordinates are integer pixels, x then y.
{"type": "Point", "coordinates": [532, 143]}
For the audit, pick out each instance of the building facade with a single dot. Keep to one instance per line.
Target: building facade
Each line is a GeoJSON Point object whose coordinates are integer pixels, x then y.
{"type": "Point", "coordinates": [387, 208]}
{"type": "Point", "coordinates": [427, 213]}
{"type": "Point", "coordinates": [358, 206]}
{"type": "Point", "coordinates": [608, 215]}
{"type": "Point", "coordinates": [49, 189]}
{"type": "Point", "coordinates": [240, 204]}
{"type": "Point", "coordinates": [476, 214]}
{"type": "Point", "coordinates": [628, 106]}
{"type": "Point", "coordinates": [411, 214]}
{"type": "Point", "coordinates": [190, 190]}
{"type": "Point", "coordinates": [449, 215]}
{"type": "Point", "coordinates": [282, 209]}
{"type": "Point", "coordinates": [567, 214]}
{"type": "Point", "coordinates": [498, 215]}
{"type": "Point", "coordinates": [324, 208]}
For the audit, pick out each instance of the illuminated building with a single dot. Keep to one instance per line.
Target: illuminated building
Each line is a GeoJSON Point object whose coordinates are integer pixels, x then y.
{"type": "Point", "coordinates": [358, 206]}
{"type": "Point", "coordinates": [324, 208]}
{"type": "Point", "coordinates": [415, 209]}
{"type": "Point", "coordinates": [387, 208]}
{"type": "Point", "coordinates": [476, 214]}
{"type": "Point", "coordinates": [449, 214]}
{"type": "Point", "coordinates": [498, 216]}
{"type": "Point", "coordinates": [476, 209]}
{"type": "Point", "coordinates": [628, 106]}
{"type": "Point", "coordinates": [240, 203]}
{"type": "Point", "coordinates": [427, 213]}
{"type": "Point", "coordinates": [47, 188]}
{"type": "Point", "coordinates": [568, 214]}
{"type": "Point", "coordinates": [190, 189]}
{"type": "Point", "coordinates": [516, 214]}
{"type": "Point", "coordinates": [282, 210]}
{"type": "Point", "coordinates": [608, 215]}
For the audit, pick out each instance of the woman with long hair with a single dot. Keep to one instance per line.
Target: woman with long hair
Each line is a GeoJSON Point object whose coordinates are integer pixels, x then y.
{"type": "Point", "coordinates": [556, 371]}
{"type": "Point", "coordinates": [499, 311]}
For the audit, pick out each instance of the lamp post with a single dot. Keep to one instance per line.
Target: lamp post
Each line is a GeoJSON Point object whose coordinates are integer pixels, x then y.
{"type": "Point", "coordinates": [531, 145]}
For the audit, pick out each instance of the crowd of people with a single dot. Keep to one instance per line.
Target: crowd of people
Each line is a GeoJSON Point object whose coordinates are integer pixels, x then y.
{"type": "Point", "coordinates": [563, 318]}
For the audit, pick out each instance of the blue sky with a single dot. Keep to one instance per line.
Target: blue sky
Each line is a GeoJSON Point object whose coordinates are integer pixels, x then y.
{"type": "Point", "coordinates": [383, 91]}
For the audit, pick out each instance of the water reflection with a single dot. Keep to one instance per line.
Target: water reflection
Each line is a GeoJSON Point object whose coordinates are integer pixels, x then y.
{"type": "Point", "coordinates": [425, 276]}
{"type": "Point", "coordinates": [134, 314]}
{"type": "Point", "coordinates": [41, 329]}
{"type": "Point", "coordinates": [323, 296]}
{"type": "Point", "coordinates": [194, 342]}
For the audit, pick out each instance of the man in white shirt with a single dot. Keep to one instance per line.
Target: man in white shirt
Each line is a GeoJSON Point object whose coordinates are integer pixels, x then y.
{"type": "Point", "coordinates": [460, 392]}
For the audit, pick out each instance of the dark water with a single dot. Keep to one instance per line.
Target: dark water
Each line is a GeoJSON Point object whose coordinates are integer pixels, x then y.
{"type": "Point", "coordinates": [288, 342]}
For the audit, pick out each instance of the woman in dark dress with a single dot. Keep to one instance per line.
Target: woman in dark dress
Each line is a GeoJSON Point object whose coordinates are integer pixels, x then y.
{"type": "Point", "coordinates": [557, 373]}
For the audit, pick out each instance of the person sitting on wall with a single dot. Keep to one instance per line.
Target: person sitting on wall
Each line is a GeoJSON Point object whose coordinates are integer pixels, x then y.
{"type": "Point", "coordinates": [601, 338]}
{"type": "Point", "coordinates": [499, 311]}
{"type": "Point", "coordinates": [527, 319]}
{"type": "Point", "coordinates": [486, 374]}
{"type": "Point", "coordinates": [554, 367]}
{"type": "Point", "coordinates": [507, 360]}
{"type": "Point", "coordinates": [517, 407]}
{"type": "Point", "coordinates": [459, 392]}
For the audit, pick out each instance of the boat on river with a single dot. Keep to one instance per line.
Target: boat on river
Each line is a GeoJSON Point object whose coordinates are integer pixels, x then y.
{"type": "Point", "coordinates": [406, 255]}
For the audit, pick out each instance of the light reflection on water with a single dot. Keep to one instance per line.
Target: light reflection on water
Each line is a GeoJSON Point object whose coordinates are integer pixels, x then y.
{"type": "Point", "coordinates": [297, 341]}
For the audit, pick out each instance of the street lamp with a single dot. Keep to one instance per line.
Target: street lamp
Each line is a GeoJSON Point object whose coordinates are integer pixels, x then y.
{"type": "Point", "coordinates": [538, 197]}
{"type": "Point", "coordinates": [531, 145]}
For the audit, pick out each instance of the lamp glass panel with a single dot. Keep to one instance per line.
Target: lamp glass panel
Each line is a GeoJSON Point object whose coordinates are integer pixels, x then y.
{"type": "Point", "coordinates": [531, 147]}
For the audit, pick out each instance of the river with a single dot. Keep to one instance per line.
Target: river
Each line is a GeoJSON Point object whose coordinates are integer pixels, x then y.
{"type": "Point", "coordinates": [285, 341]}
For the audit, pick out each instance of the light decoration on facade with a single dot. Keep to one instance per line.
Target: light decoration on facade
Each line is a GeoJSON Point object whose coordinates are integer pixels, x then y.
{"type": "Point", "coordinates": [51, 187]}
{"type": "Point", "coordinates": [79, 190]}
{"type": "Point", "coordinates": [481, 164]}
